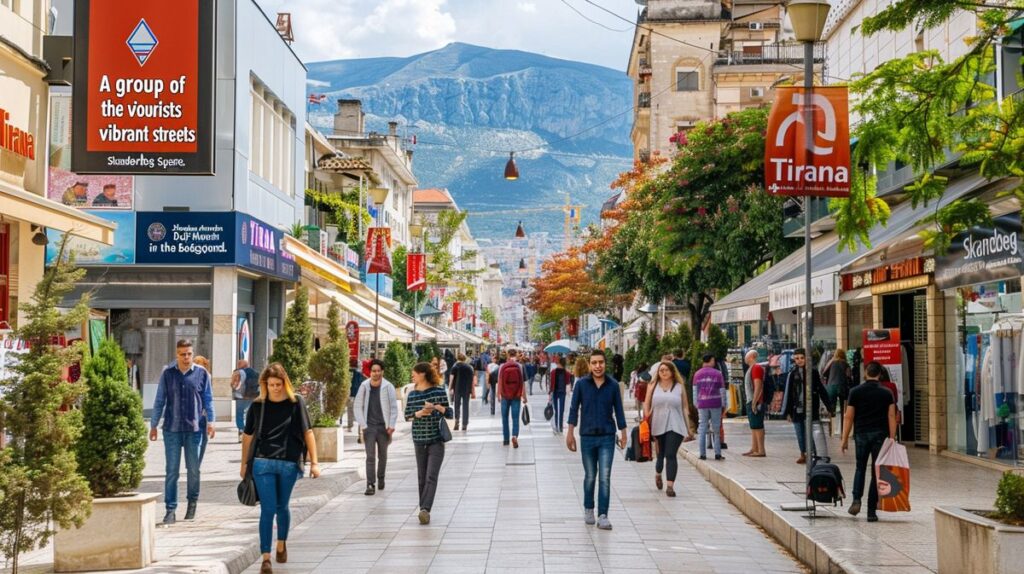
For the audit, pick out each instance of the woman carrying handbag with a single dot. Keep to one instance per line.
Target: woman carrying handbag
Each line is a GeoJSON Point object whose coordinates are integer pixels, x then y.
{"type": "Point", "coordinates": [665, 408]}
{"type": "Point", "coordinates": [427, 407]}
{"type": "Point", "coordinates": [278, 430]}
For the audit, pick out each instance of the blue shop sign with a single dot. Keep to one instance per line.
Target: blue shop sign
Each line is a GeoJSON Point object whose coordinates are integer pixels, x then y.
{"type": "Point", "coordinates": [212, 238]}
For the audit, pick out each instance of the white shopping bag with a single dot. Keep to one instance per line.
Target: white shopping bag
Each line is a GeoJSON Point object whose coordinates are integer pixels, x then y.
{"type": "Point", "coordinates": [892, 476]}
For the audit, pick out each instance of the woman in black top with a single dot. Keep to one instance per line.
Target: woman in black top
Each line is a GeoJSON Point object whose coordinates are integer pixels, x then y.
{"type": "Point", "coordinates": [426, 404]}
{"type": "Point", "coordinates": [285, 434]}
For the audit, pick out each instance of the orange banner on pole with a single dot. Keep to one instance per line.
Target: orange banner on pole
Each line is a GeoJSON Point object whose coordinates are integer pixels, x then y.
{"type": "Point", "coordinates": [822, 168]}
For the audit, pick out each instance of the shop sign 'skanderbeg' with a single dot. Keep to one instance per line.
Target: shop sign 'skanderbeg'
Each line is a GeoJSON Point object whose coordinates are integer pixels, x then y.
{"type": "Point", "coordinates": [791, 167]}
{"type": "Point", "coordinates": [983, 254]}
{"type": "Point", "coordinates": [143, 98]}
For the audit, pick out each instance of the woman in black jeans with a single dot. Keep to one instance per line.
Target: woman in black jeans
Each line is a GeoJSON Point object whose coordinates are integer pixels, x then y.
{"type": "Point", "coordinates": [426, 404]}
{"type": "Point", "coordinates": [284, 435]}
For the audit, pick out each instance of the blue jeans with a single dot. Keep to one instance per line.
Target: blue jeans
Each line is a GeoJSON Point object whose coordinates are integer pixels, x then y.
{"type": "Point", "coordinates": [241, 407]}
{"type": "Point", "coordinates": [513, 406]}
{"type": "Point", "coordinates": [868, 444]}
{"type": "Point", "coordinates": [275, 480]}
{"type": "Point", "coordinates": [174, 442]}
{"type": "Point", "coordinates": [598, 452]}
{"type": "Point", "coordinates": [558, 402]}
{"type": "Point", "coordinates": [710, 418]}
{"type": "Point", "coordinates": [481, 377]}
{"type": "Point", "coordinates": [801, 437]}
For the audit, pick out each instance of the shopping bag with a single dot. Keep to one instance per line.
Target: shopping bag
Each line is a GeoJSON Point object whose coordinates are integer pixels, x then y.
{"type": "Point", "coordinates": [734, 400]}
{"type": "Point", "coordinates": [892, 472]}
{"type": "Point", "coordinates": [549, 411]}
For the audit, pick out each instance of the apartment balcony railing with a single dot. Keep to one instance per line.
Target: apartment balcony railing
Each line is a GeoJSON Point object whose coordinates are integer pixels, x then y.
{"type": "Point", "coordinates": [769, 54]}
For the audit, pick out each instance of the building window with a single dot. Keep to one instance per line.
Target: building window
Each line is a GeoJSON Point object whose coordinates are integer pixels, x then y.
{"type": "Point", "coordinates": [271, 140]}
{"type": "Point", "coordinates": [687, 80]}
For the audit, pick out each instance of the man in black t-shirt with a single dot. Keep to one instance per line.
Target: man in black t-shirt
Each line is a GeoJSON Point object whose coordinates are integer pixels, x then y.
{"type": "Point", "coordinates": [871, 413]}
{"type": "Point", "coordinates": [462, 388]}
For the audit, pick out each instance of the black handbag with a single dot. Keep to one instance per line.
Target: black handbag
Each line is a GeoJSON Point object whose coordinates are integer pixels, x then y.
{"type": "Point", "coordinates": [443, 430]}
{"type": "Point", "coordinates": [549, 412]}
{"type": "Point", "coordinates": [247, 493]}
{"type": "Point", "coordinates": [526, 415]}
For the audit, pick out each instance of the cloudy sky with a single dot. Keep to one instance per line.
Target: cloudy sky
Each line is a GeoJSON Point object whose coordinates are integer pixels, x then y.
{"type": "Point", "coordinates": [333, 29]}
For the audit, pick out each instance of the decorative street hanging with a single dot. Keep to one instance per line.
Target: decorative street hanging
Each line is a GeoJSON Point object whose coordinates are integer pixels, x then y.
{"type": "Point", "coordinates": [416, 272]}
{"type": "Point", "coordinates": [788, 167]}
{"type": "Point", "coordinates": [378, 250]}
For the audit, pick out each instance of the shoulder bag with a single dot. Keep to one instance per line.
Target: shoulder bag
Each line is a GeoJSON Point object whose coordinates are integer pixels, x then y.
{"type": "Point", "coordinates": [247, 493]}
{"type": "Point", "coordinates": [443, 431]}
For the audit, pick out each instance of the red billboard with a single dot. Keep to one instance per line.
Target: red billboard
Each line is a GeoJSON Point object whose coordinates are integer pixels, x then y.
{"type": "Point", "coordinates": [822, 168]}
{"type": "Point", "coordinates": [416, 272]}
{"type": "Point", "coordinates": [143, 99]}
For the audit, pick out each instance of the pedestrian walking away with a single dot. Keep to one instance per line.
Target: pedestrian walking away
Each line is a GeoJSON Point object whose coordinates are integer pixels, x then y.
{"type": "Point", "coordinates": [794, 406]}
{"type": "Point", "coordinates": [183, 395]}
{"type": "Point", "coordinates": [512, 390]}
{"type": "Point", "coordinates": [559, 384]}
{"type": "Point", "coordinates": [643, 380]}
{"type": "Point", "coordinates": [597, 408]}
{"type": "Point", "coordinates": [483, 360]}
{"type": "Point", "coordinates": [204, 438]}
{"type": "Point", "coordinates": [665, 408]}
{"type": "Point", "coordinates": [285, 435]}
{"type": "Point", "coordinates": [377, 414]}
{"type": "Point", "coordinates": [837, 377]}
{"type": "Point", "coordinates": [462, 390]}
{"type": "Point", "coordinates": [683, 366]}
{"type": "Point", "coordinates": [709, 386]}
{"type": "Point", "coordinates": [353, 390]}
{"type": "Point", "coordinates": [492, 380]}
{"type": "Point", "coordinates": [753, 388]}
{"type": "Point", "coordinates": [425, 406]}
{"type": "Point", "coordinates": [871, 415]}
{"type": "Point", "coordinates": [245, 386]}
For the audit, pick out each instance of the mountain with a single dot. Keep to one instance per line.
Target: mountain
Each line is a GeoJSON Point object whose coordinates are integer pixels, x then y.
{"type": "Point", "coordinates": [468, 106]}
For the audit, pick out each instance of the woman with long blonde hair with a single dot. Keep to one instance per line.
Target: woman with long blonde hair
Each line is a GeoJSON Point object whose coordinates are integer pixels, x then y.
{"type": "Point", "coordinates": [279, 424]}
{"type": "Point", "coordinates": [665, 408]}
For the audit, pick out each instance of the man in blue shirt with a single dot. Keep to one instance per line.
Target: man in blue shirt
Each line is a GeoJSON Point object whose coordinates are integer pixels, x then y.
{"type": "Point", "coordinates": [184, 393]}
{"type": "Point", "coordinates": [595, 400]}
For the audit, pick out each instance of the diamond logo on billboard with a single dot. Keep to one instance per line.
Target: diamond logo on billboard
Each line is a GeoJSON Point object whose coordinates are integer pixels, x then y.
{"type": "Point", "coordinates": [142, 42]}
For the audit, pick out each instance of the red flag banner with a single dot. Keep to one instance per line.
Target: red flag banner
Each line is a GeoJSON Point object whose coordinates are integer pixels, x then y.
{"type": "Point", "coordinates": [791, 166]}
{"type": "Point", "coordinates": [456, 311]}
{"type": "Point", "coordinates": [416, 272]}
{"type": "Point", "coordinates": [378, 250]}
{"type": "Point", "coordinates": [352, 335]}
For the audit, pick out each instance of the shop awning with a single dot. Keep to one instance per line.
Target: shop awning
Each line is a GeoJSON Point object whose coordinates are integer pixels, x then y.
{"type": "Point", "coordinates": [36, 209]}
{"type": "Point", "coordinates": [636, 325]}
{"type": "Point", "coordinates": [389, 309]}
{"type": "Point", "coordinates": [311, 260]}
{"type": "Point", "coordinates": [904, 218]}
{"type": "Point", "coordinates": [357, 309]}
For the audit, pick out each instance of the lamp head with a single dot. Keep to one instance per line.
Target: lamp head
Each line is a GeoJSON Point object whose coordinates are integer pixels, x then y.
{"type": "Point", "coordinates": [520, 232]}
{"type": "Point", "coordinates": [38, 237]}
{"type": "Point", "coordinates": [379, 195]}
{"type": "Point", "coordinates": [511, 171]}
{"type": "Point", "coordinates": [808, 18]}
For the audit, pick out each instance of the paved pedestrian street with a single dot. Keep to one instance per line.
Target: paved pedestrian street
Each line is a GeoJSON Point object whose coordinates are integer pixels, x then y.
{"type": "Point", "coordinates": [500, 509]}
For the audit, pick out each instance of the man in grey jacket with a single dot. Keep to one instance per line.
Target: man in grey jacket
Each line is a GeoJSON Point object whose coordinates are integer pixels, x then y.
{"type": "Point", "coordinates": [377, 414]}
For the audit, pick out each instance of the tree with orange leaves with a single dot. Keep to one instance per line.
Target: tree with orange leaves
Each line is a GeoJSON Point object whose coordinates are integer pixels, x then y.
{"type": "Point", "coordinates": [566, 289]}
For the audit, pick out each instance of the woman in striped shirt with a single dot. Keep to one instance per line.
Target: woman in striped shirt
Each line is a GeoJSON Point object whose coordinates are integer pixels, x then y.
{"type": "Point", "coordinates": [426, 404]}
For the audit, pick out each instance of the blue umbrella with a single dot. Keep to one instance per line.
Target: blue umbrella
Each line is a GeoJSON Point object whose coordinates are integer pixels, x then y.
{"type": "Point", "coordinates": [563, 346]}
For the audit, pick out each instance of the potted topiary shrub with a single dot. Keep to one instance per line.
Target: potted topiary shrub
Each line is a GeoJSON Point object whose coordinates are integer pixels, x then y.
{"type": "Point", "coordinates": [111, 456]}
{"type": "Point", "coordinates": [329, 367]}
{"type": "Point", "coordinates": [980, 541]}
{"type": "Point", "coordinates": [398, 363]}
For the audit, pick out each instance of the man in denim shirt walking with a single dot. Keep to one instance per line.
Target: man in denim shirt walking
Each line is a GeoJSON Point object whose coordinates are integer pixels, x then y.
{"type": "Point", "coordinates": [595, 400]}
{"type": "Point", "coordinates": [182, 396]}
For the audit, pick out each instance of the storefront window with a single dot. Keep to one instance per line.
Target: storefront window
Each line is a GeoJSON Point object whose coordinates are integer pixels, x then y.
{"type": "Point", "coordinates": [985, 388]}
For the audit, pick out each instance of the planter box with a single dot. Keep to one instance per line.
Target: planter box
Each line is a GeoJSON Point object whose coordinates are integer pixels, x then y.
{"type": "Point", "coordinates": [968, 542]}
{"type": "Point", "coordinates": [330, 443]}
{"type": "Point", "coordinates": [118, 535]}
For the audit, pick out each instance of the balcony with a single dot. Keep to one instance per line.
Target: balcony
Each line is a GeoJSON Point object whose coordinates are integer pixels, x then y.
{"type": "Point", "coordinates": [643, 100]}
{"type": "Point", "coordinates": [769, 54]}
{"type": "Point", "coordinates": [644, 68]}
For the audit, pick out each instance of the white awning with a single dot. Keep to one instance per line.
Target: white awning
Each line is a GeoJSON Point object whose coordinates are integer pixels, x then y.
{"type": "Point", "coordinates": [20, 204]}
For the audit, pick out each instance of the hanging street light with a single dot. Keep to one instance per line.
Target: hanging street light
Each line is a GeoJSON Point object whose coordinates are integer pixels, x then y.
{"type": "Point", "coordinates": [522, 264]}
{"type": "Point", "coordinates": [520, 232]}
{"type": "Point", "coordinates": [511, 171]}
{"type": "Point", "coordinates": [379, 195]}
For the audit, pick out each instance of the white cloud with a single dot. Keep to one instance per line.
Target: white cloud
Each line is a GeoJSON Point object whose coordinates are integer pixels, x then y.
{"type": "Point", "coordinates": [335, 29]}
{"type": "Point", "coordinates": [317, 83]}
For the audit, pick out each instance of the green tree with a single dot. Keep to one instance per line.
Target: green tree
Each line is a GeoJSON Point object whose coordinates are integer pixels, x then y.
{"type": "Point", "coordinates": [427, 351]}
{"type": "Point", "coordinates": [330, 366]}
{"type": "Point", "coordinates": [41, 488]}
{"type": "Point", "coordinates": [406, 299]}
{"type": "Point", "coordinates": [343, 210]}
{"type": "Point", "coordinates": [918, 108]}
{"type": "Point", "coordinates": [112, 450]}
{"type": "Point", "coordinates": [447, 269]}
{"type": "Point", "coordinates": [398, 363]}
{"type": "Point", "coordinates": [295, 344]}
{"type": "Point", "coordinates": [718, 342]}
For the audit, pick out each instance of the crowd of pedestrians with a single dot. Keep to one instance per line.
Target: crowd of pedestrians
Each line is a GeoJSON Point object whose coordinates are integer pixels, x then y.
{"type": "Point", "coordinates": [277, 439]}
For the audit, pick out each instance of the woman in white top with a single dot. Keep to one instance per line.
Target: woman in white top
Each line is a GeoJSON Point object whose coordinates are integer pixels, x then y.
{"type": "Point", "coordinates": [665, 409]}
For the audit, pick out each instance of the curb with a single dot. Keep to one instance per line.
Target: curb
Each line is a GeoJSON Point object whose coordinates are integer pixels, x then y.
{"type": "Point", "coordinates": [816, 555]}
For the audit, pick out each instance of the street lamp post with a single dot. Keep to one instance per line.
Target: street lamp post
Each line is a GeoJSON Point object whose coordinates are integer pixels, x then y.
{"type": "Point", "coordinates": [415, 232]}
{"type": "Point", "coordinates": [379, 195]}
{"type": "Point", "coordinates": [808, 20]}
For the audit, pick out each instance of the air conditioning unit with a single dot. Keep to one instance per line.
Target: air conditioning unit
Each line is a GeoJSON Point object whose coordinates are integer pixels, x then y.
{"type": "Point", "coordinates": [756, 25]}
{"type": "Point", "coordinates": [757, 92]}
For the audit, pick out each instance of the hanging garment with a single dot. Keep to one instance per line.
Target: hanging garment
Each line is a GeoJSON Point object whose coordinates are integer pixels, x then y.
{"type": "Point", "coordinates": [906, 358]}
{"type": "Point", "coordinates": [985, 398]}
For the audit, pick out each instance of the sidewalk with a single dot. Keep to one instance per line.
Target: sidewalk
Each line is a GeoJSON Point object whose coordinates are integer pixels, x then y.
{"type": "Point", "coordinates": [500, 509]}
{"type": "Point", "coordinates": [223, 538]}
{"type": "Point", "coordinates": [835, 541]}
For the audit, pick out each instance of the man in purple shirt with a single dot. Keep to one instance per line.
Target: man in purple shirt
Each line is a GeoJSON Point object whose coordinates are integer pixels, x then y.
{"type": "Point", "coordinates": [710, 389]}
{"type": "Point", "coordinates": [184, 393]}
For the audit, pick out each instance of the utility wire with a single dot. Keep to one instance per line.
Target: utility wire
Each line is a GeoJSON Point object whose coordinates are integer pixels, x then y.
{"type": "Point", "coordinates": [592, 21]}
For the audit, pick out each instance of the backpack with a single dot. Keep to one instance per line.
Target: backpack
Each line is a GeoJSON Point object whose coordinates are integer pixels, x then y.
{"type": "Point", "coordinates": [826, 482]}
{"type": "Point", "coordinates": [251, 386]}
{"type": "Point", "coordinates": [512, 380]}
{"type": "Point", "coordinates": [637, 450]}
